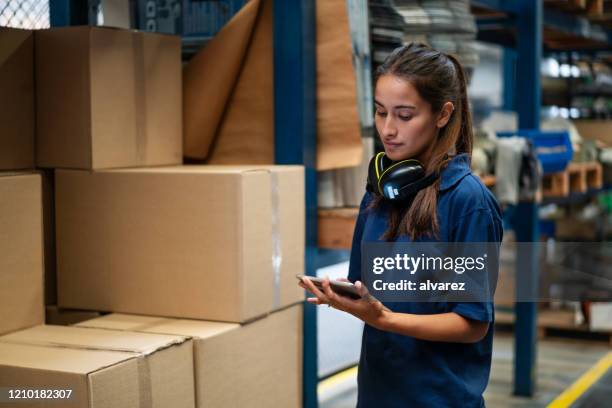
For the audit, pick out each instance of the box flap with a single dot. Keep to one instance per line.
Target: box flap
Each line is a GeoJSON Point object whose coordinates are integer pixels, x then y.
{"type": "Point", "coordinates": [92, 339]}
{"type": "Point", "coordinates": [198, 329]}
{"type": "Point", "coordinates": [59, 358]}
{"type": "Point", "coordinates": [120, 321]}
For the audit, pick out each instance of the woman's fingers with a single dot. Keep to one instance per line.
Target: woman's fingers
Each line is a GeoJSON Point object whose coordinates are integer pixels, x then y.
{"type": "Point", "coordinates": [363, 291]}
{"type": "Point", "coordinates": [314, 290]}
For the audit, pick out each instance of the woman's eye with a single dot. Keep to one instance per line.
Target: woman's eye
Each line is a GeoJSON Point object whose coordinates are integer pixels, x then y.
{"type": "Point", "coordinates": [405, 118]}
{"type": "Point", "coordinates": [381, 114]}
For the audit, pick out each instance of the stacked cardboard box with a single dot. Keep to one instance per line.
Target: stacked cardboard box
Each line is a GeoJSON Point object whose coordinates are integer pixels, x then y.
{"type": "Point", "coordinates": [135, 231]}
{"type": "Point", "coordinates": [256, 364]}
{"type": "Point", "coordinates": [107, 98]}
{"type": "Point", "coordinates": [17, 99]}
{"type": "Point", "coordinates": [102, 368]}
{"type": "Point", "coordinates": [21, 256]}
{"type": "Point", "coordinates": [216, 243]}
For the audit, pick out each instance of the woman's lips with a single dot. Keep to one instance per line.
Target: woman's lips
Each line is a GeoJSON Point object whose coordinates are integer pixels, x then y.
{"type": "Point", "coordinates": [392, 145]}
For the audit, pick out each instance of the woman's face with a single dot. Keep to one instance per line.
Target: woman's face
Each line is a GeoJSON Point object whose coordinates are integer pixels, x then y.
{"type": "Point", "coordinates": [405, 122]}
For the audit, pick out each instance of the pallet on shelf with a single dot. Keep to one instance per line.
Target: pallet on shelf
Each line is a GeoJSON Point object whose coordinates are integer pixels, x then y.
{"type": "Point", "coordinates": [557, 324]}
{"type": "Point", "coordinates": [335, 227]}
{"type": "Point", "coordinates": [576, 178]}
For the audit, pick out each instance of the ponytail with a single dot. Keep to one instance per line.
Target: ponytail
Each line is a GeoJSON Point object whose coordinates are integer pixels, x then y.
{"type": "Point", "coordinates": [466, 136]}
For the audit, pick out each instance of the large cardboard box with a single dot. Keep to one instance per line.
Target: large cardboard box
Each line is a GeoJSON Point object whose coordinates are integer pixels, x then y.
{"type": "Point", "coordinates": [107, 98]}
{"type": "Point", "coordinates": [165, 362]}
{"type": "Point", "coordinates": [21, 256]}
{"type": "Point", "coordinates": [186, 241]}
{"type": "Point", "coordinates": [258, 364]}
{"type": "Point", "coordinates": [16, 99]}
{"type": "Point", "coordinates": [288, 229]}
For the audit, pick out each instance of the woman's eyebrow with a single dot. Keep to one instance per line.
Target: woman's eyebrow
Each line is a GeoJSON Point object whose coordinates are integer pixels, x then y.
{"type": "Point", "coordinates": [397, 106]}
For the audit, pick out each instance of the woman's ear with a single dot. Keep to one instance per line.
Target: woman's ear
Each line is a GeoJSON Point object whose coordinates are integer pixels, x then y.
{"type": "Point", "coordinates": [445, 114]}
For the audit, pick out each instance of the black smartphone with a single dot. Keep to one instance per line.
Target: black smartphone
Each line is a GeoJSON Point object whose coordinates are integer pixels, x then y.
{"type": "Point", "coordinates": [341, 288]}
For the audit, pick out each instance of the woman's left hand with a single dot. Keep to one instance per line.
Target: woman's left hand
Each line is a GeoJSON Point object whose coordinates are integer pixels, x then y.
{"type": "Point", "coordinates": [367, 308]}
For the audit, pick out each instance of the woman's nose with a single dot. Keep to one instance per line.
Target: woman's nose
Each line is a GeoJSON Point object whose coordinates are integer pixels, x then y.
{"type": "Point", "coordinates": [389, 129]}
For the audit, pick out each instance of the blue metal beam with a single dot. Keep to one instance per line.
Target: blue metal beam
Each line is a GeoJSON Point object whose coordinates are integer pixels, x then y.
{"type": "Point", "coordinates": [507, 6]}
{"type": "Point", "coordinates": [509, 78]}
{"type": "Point", "coordinates": [68, 12]}
{"type": "Point", "coordinates": [295, 140]}
{"type": "Point", "coordinates": [528, 100]}
{"type": "Point", "coordinates": [59, 13]}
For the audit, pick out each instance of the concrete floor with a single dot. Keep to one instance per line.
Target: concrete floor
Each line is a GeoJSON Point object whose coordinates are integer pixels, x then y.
{"type": "Point", "coordinates": [560, 363]}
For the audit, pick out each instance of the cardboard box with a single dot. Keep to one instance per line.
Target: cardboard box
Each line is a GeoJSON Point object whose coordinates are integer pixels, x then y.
{"type": "Point", "coordinates": [288, 229]}
{"type": "Point", "coordinates": [258, 364]}
{"type": "Point", "coordinates": [66, 317]}
{"type": "Point", "coordinates": [17, 99]}
{"type": "Point", "coordinates": [186, 241]}
{"type": "Point", "coordinates": [95, 379]}
{"type": "Point", "coordinates": [21, 253]}
{"type": "Point", "coordinates": [107, 98]}
{"type": "Point", "coordinates": [165, 362]}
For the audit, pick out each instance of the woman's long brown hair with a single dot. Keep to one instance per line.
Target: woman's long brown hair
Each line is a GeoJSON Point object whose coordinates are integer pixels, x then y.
{"type": "Point", "coordinates": [438, 78]}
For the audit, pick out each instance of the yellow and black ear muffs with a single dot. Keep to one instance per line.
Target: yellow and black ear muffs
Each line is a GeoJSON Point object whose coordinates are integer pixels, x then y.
{"type": "Point", "coordinates": [397, 180]}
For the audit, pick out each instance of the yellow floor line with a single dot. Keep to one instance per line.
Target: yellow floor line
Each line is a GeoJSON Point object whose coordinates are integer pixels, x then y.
{"type": "Point", "coordinates": [567, 397]}
{"type": "Point", "coordinates": [336, 379]}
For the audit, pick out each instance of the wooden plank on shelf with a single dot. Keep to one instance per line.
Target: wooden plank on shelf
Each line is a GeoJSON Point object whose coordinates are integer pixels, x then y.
{"type": "Point", "coordinates": [335, 227]}
{"type": "Point", "coordinates": [576, 178]}
{"type": "Point", "coordinates": [488, 180]}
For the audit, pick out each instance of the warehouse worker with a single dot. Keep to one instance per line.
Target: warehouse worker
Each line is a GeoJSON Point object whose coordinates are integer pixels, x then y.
{"type": "Point", "coordinates": [422, 354]}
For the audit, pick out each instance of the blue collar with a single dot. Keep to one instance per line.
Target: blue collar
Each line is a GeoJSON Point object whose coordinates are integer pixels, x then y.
{"type": "Point", "coordinates": [456, 169]}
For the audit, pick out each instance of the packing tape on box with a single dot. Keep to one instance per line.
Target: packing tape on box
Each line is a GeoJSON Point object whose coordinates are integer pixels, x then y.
{"type": "Point", "coordinates": [145, 390]}
{"type": "Point", "coordinates": [140, 98]}
{"type": "Point", "coordinates": [277, 256]}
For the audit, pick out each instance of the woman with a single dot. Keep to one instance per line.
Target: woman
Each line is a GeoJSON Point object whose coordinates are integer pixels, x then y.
{"type": "Point", "coordinates": [423, 354]}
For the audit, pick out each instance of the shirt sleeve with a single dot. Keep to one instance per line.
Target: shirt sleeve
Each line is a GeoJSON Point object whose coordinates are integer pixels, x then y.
{"type": "Point", "coordinates": [354, 273]}
{"type": "Point", "coordinates": [481, 225]}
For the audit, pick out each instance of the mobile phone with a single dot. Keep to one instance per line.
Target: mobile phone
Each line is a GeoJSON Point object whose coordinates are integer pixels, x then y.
{"type": "Point", "coordinates": [341, 288]}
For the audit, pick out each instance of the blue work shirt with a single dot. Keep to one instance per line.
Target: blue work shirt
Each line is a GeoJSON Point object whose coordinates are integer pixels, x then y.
{"type": "Point", "coordinates": [401, 371]}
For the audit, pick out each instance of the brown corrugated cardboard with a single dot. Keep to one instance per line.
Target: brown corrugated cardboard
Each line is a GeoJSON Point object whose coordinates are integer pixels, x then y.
{"type": "Point", "coordinates": [258, 364]}
{"type": "Point", "coordinates": [230, 119]}
{"type": "Point", "coordinates": [65, 317]}
{"type": "Point", "coordinates": [338, 129]}
{"type": "Point", "coordinates": [185, 241]}
{"type": "Point", "coordinates": [209, 79]}
{"type": "Point", "coordinates": [17, 99]}
{"type": "Point", "coordinates": [96, 379]}
{"type": "Point", "coordinates": [107, 98]}
{"type": "Point", "coordinates": [288, 229]}
{"type": "Point", "coordinates": [167, 360]}
{"type": "Point", "coordinates": [21, 256]}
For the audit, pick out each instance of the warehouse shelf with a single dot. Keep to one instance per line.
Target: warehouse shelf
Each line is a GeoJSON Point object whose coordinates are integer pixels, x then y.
{"type": "Point", "coordinates": [557, 323]}
{"type": "Point", "coordinates": [336, 227]}
{"type": "Point", "coordinates": [561, 30]}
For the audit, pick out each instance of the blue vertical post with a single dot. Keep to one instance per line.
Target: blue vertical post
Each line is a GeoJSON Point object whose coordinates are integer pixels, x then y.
{"type": "Point", "coordinates": [68, 12]}
{"type": "Point", "coordinates": [295, 140]}
{"type": "Point", "coordinates": [528, 97]}
{"type": "Point", "coordinates": [509, 78]}
{"type": "Point", "coordinates": [59, 13]}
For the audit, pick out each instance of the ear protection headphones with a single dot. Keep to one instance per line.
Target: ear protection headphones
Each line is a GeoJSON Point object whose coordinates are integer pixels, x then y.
{"type": "Point", "coordinates": [397, 181]}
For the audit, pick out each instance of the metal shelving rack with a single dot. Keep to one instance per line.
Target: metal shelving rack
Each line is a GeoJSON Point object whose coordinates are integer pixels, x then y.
{"type": "Point", "coordinates": [520, 26]}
